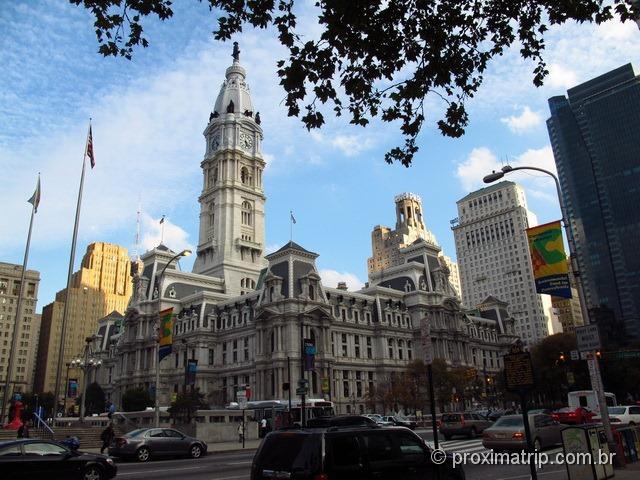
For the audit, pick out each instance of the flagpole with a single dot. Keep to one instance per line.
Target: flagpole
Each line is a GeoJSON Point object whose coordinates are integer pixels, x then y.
{"type": "Point", "coordinates": [291, 225]}
{"type": "Point", "coordinates": [69, 276]}
{"type": "Point", "coordinates": [16, 321]}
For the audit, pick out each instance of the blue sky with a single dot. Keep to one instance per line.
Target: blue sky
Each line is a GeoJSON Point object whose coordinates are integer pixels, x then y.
{"type": "Point", "coordinates": [149, 114]}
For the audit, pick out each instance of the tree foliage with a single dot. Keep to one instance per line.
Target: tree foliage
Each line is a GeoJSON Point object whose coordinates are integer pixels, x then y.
{"type": "Point", "coordinates": [96, 399]}
{"type": "Point", "coordinates": [377, 58]}
{"type": "Point", "coordinates": [136, 399]}
{"type": "Point", "coordinates": [186, 404]}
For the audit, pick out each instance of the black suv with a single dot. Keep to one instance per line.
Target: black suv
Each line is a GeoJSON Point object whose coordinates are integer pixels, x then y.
{"type": "Point", "coordinates": [348, 453]}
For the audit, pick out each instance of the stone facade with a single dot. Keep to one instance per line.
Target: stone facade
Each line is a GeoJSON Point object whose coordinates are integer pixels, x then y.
{"type": "Point", "coordinates": [28, 327]}
{"type": "Point", "coordinates": [252, 333]}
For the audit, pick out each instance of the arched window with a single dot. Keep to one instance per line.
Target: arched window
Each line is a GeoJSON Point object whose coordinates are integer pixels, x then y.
{"type": "Point", "coordinates": [247, 213]}
{"type": "Point", "coordinates": [312, 293]}
{"type": "Point", "coordinates": [401, 349]}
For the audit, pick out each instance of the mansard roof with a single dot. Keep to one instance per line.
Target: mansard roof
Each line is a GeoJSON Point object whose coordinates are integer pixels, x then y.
{"type": "Point", "coordinates": [291, 246]}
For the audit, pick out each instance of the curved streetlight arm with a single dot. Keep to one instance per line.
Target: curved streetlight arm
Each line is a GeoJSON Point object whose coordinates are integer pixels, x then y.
{"type": "Point", "coordinates": [508, 168]}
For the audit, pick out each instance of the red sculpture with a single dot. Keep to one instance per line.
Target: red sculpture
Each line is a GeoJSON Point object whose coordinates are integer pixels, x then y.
{"type": "Point", "coordinates": [18, 406]}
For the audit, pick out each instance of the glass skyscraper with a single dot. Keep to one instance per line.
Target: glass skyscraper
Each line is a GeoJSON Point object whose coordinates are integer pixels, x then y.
{"type": "Point", "coordinates": [595, 135]}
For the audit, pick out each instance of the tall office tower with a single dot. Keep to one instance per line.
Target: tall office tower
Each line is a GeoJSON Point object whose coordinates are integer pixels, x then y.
{"type": "Point", "coordinates": [594, 135]}
{"type": "Point", "coordinates": [102, 285]}
{"type": "Point", "coordinates": [493, 256]}
{"type": "Point", "coordinates": [231, 241]}
{"type": "Point", "coordinates": [28, 326]}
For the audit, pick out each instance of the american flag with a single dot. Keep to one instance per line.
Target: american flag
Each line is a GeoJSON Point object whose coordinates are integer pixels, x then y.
{"type": "Point", "coordinates": [89, 151]}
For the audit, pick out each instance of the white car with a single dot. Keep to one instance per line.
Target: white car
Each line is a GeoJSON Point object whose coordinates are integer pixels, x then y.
{"type": "Point", "coordinates": [379, 419]}
{"type": "Point", "coordinates": [628, 415]}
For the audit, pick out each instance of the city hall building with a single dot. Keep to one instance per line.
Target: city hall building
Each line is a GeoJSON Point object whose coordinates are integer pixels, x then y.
{"type": "Point", "coordinates": [243, 315]}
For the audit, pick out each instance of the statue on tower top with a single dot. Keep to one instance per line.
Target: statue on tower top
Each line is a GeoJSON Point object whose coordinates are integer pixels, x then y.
{"type": "Point", "coordinates": [236, 52]}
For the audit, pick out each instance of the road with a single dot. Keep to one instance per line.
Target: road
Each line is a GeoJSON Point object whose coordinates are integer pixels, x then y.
{"type": "Point", "coordinates": [236, 465]}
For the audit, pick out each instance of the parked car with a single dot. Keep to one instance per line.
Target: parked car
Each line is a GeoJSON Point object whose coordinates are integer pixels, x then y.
{"type": "Point", "coordinates": [341, 420]}
{"type": "Point", "coordinates": [146, 443]}
{"type": "Point", "coordinates": [625, 414]}
{"type": "Point", "coordinates": [544, 411]}
{"type": "Point", "coordinates": [33, 459]}
{"type": "Point", "coordinates": [467, 424]}
{"type": "Point", "coordinates": [573, 415]}
{"type": "Point", "coordinates": [348, 453]}
{"type": "Point", "coordinates": [399, 421]}
{"type": "Point", "coordinates": [379, 419]}
{"type": "Point", "coordinates": [508, 433]}
{"type": "Point", "coordinates": [496, 414]}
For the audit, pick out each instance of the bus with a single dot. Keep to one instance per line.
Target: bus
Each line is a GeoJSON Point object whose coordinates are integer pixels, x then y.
{"type": "Point", "coordinates": [277, 413]}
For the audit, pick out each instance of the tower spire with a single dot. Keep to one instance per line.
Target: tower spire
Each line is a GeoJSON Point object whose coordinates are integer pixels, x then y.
{"type": "Point", "coordinates": [236, 52]}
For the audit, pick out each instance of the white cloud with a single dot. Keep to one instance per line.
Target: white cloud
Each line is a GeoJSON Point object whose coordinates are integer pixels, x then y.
{"type": "Point", "coordinates": [561, 76]}
{"type": "Point", "coordinates": [173, 236]}
{"type": "Point", "coordinates": [481, 162]}
{"type": "Point", "coordinates": [330, 278]}
{"type": "Point", "coordinates": [350, 145]}
{"type": "Point", "coordinates": [616, 30]}
{"type": "Point", "coordinates": [271, 248]}
{"type": "Point", "coordinates": [526, 121]}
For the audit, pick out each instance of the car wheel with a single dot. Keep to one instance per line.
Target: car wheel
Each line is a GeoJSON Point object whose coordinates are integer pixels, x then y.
{"type": "Point", "coordinates": [143, 454]}
{"type": "Point", "coordinates": [92, 473]}
{"type": "Point", "coordinates": [537, 446]}
{"type": "Point", "coordinates": [473, 433]}
{"type": "Point", "coordinates": [195, 451]}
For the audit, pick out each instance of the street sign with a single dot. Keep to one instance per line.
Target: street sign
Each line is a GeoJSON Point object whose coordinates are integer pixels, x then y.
{"type": "Point", "coordinates": [303, 382]}
{"type": "Point", "coordinates": [575, 355]}
{"type": "Point", "coordinates": [588, 338]}
{"type": "Point", "coordinates": [302, 391]}
{"type": "Point", "coordinates": [518, 371]}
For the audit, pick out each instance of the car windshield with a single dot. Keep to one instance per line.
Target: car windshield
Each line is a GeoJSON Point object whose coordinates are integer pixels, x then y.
{"type": "Point", "coordinates": [451, 418]}
{"type": "Point", "coordinates": [509, 422]}
{"type": "Point", "coordinates": [617, 410]}
{"type": "Point", "coordinates": [136, 433]}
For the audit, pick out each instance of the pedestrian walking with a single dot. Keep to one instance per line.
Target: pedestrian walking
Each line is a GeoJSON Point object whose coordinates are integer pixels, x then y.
{"type": "Point", "coordinates": [263, 427]}
{"type": "Point", "coordinates": [23, 430]}
{"type": "Point", "coordinates": [106, 436]}
{"type": "Point", "coordinates": [240, 432]}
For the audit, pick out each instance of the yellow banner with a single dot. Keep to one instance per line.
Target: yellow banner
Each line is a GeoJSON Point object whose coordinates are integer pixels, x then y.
{"type": "Point", "coordinates": [548, 259]}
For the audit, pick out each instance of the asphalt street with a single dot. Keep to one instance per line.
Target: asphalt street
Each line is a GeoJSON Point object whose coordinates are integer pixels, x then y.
{"type": "Point", "coordinates": [236, 465]}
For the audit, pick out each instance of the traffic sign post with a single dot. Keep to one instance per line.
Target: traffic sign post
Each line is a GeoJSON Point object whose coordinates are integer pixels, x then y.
{"type": "Point", "coordinates": [588, 338]}
{"type": "Point", "coordinates": [518, 372]}
{"type": "Point", "coordinates": [427, 355]}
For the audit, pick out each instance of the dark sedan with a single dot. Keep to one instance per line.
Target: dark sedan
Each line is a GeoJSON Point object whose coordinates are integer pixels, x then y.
{"type": "Point", "coordinates": [33, 459]}
{"type": "Point", "coordinates": [145, 443]}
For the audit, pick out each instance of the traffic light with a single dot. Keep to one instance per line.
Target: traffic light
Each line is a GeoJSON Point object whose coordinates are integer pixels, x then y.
{"type": "Point", "coordinates": [285, 387]}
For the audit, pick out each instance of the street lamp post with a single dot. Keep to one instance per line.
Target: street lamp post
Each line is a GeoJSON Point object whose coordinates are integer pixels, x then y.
{"type": "Point", "coordinates": [184, 253]}
{"type": "Point", "coordinates": [76, 362]}
{"type": "Point", "coordinates": [89, 363]}
{"type": "Point", "coordinates": [596, 378]}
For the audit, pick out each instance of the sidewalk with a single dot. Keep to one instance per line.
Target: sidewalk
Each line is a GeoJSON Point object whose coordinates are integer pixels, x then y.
{"type": "Point", "coordinates": [218, 447]}
{"type": "Point", "coordinates": [631, 472]}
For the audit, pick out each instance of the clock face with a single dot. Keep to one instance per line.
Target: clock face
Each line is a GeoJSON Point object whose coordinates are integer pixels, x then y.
{"type": "Point", "coordinates": [246, 141]}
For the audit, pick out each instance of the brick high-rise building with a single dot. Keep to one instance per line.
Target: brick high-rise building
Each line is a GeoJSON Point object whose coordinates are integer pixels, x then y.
{"type": "Point", "coordinates": [102, 285]}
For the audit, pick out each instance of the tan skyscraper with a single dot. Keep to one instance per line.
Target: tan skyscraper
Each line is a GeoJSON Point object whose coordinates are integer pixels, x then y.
{"type": "Point", "coordinates": [102, 285]}
{"type": "Point", "coordinates": [27, 341]}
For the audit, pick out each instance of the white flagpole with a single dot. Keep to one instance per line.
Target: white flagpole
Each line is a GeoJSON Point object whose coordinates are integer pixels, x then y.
{"type": "Point", "coordinates": [69, 275]}
{"type": "Point", "coordinates": [18, 315]}
{"type": "Point", "coordinates": [291, 225]}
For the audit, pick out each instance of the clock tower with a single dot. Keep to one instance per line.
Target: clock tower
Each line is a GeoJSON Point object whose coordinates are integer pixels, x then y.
{"type": "Point", "coordinates": [231, 239]}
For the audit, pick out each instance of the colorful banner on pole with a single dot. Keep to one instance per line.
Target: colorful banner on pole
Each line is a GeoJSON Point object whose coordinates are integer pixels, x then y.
{"type": "Point", "coordinates": [165, 335]}
{"type": "Point", "coordinates": [549, 261]}
{"type": "Point", "coordinates": [192, 368]}
{"type": "Point", "coordinates": [309, 354]}
{"type": "Point", "coordinates": [72, 388]}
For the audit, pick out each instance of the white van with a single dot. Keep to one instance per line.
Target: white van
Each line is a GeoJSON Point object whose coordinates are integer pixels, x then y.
{"type": "Point", "coordinates": [588, 399]}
